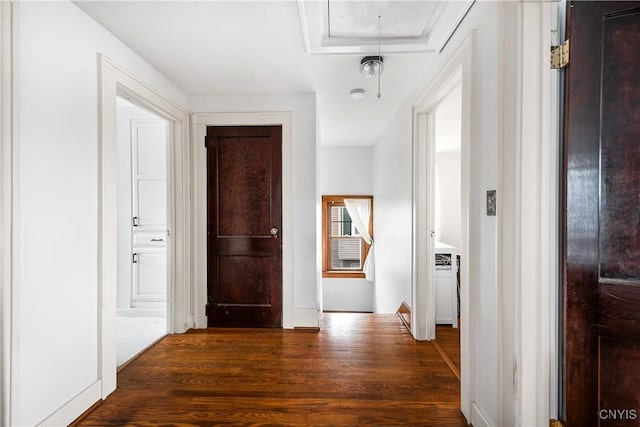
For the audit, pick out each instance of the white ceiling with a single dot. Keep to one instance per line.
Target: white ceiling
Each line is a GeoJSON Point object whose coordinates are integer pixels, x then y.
{"type": "Point", "coordinates": [266, 47]}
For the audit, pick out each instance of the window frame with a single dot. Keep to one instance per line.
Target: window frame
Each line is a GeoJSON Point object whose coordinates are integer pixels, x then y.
{"type": "Point", "coordinates": [327, 202]}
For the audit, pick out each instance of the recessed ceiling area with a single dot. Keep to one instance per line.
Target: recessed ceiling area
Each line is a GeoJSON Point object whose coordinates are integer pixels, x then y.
{"type": "Point", "coordinates": [267, 47]}
{"type": "Point", "coordinates": [341, 27]}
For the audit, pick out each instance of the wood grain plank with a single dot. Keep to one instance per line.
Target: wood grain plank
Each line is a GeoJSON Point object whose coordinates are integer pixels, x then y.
{"type": "Point", "coordinates": [360, 369]}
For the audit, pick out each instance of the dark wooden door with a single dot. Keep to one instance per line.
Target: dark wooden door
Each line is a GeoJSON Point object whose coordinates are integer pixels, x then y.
{"type": "Point", "coordinates": [244, 174]}
{"type": "Point", "coordinates": [601, 264]}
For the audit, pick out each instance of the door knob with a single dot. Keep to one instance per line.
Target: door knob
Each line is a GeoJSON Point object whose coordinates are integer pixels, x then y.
{"type": "Point", "coordinates": [274, 231]}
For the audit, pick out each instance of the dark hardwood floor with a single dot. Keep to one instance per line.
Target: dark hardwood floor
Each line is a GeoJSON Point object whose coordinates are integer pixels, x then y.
{"type": "Point", "coordinates": [360, 369]}
{"type": "Point", "coordinates": [448, 339]}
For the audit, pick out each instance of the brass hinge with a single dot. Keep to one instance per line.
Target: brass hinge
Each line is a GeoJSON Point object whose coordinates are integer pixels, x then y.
{"type": "Point", "coordinates": [556, 423]}
{"type": "Point", "coordinates": [560, 56]}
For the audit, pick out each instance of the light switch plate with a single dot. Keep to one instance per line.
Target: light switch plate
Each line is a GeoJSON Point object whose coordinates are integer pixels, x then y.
{"type": "Point", "coordinates": [491, 203]}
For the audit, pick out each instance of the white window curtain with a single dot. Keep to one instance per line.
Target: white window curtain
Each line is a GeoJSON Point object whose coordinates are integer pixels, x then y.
{"type": "Point", "coordinates": [360, 213]}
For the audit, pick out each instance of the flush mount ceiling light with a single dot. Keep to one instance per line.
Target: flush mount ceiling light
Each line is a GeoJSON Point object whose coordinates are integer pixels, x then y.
{"type": "Point", "coordinates": [357, 94]}
{"type": "Point", "coordinates": [372, 66]}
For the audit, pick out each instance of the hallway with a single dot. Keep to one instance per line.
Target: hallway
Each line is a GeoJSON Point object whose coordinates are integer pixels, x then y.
{"type": "Point", "coordinates": [360, 369]}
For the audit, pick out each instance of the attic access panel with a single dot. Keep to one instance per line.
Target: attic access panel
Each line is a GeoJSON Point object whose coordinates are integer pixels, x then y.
{"type": "Point", "coordinates": [351, 27]}
{"type": "Point", "coordinates": [402, 19]}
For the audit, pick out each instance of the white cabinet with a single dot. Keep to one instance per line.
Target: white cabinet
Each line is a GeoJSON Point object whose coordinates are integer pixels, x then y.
{"type": "Point", "coordinates": [149, 181]}
{"type": "Point", "coordinates": [446, 278]}
{"type": "Point", "coordinates": [149, 235]}
{"type": "Point", "coordinates": [149, 277]}
{"type": "Point", "coordinates": [149, 281]}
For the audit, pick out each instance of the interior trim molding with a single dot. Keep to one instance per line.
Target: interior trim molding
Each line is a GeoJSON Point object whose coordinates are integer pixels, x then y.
{"type": "Point", "coordinates": [113, 81]}
{"type": "Point", "coordinates": [200, 122]}
{"type": "Point", "coordinates": [528, 188]}
{"type": "Point", "coordinates": [478, 418]}
{"type": "Point", "coordinates": [537, 197]}
{"type": "Point", "coordinates": [306, 318]}
{"type": "Point", "coordinates": [68, 413]}
{"type": "Point", "coordinates": [6, 209]}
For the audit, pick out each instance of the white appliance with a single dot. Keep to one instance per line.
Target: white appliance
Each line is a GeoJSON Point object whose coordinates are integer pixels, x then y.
{"type": "Point", "coordinates": [446, 277]}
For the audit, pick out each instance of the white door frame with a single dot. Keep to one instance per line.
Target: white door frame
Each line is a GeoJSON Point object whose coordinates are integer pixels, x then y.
{"type": "Point", "coordinates": [528, 226]}
{"type": "Point", "coordinates": [200, 123]}
{"type": "Point", "coordinates": [6, 209]}
{"type": "Point", "coordinates": [460, 70]}
{"type": "Point", "coordinates": [113, 81]}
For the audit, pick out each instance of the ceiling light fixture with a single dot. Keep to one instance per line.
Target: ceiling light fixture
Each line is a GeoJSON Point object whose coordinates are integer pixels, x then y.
{"type": "Point", "coordinates": [373, 66]}
{"type": "Point", "coordinates": [357, 94]}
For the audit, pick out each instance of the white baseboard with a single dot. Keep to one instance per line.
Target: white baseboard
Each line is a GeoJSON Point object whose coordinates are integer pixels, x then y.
{"type": "Point", "coordinates": [200, 320]}
{"type": "Point", "coordinates": [75, 407]}
{"type": "Point", "coordinates": [478, 418]}
{"type": "Point", "coordinates": [189, 324]}
{"type": "Point", "coordinates": [306, 318]}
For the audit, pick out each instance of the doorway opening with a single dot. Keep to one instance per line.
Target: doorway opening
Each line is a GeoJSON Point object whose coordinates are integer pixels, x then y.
{"type": "Point", "coordinates": [200, 124]}
{"type": "Point", "coordinates": [114, 82]}
{"type": "Point", "coordinates": [448, 205]}
{"type": "Point", "coordinates": [447, 214]}
{"type": "Point", "coordinates": [442, 252]}
{"type": "Point", "coordinates": [443, 189]}
{"type": "Point", "coordinates": [456, 77]}
{"type": "Point", "coordinates": [142, 166]}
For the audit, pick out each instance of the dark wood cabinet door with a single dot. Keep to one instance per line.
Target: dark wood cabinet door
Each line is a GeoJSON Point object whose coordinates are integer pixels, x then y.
{"type": "Point", "coordinates": [244, 191]}
{"type": "Point", "coordinates": [601, 253]}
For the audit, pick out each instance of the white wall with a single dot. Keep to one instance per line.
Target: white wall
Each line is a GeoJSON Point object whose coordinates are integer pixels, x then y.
{"type": "Point", "coordinates": [55, 301]}
{"type": "Point", "coordinates": [126, 113]}
{"type": "Point", "coordinates": [392, 218]}
{"type": "Point", "coordinates": [449, 173]}
{"type": "Point", "coordinates": [347, 171]}
{"type": "Point", "coordinates": [306, 198]}
{"type": "Point", "coordinates": [392, 190]}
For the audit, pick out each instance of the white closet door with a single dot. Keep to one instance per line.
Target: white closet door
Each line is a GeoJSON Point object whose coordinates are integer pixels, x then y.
{"type": "Point", "coordinates": [149, 277]}
{"type": "Point", "coordinates": [149, 192]}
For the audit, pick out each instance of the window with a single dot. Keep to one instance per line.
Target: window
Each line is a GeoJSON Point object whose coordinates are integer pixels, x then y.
{"type": "Point", "coordinates": [343, 248]}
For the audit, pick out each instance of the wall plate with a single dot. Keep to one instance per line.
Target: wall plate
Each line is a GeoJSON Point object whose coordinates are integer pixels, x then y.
{"type": "Point", "coordinates": [491, 203]}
